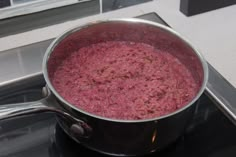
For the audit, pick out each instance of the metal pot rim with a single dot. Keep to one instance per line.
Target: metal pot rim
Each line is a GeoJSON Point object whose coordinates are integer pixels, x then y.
{"type": "Point", "coordinates": [133, 20]}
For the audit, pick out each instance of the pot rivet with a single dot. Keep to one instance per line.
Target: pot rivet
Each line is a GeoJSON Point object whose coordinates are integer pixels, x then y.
{"type": "Point", "coordinates": [77, 130]}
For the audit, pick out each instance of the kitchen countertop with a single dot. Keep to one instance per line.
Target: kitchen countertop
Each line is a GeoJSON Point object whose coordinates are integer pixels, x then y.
{"type": "Point", "coordinates": [213, 33]}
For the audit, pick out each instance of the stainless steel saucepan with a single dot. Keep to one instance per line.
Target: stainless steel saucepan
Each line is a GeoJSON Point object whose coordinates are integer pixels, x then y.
{"type": "Point", "coordinates": [110, 136]}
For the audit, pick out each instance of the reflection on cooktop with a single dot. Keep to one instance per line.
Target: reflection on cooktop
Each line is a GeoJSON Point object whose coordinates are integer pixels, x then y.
{"type": "Point", "coordinates": [209, 134]}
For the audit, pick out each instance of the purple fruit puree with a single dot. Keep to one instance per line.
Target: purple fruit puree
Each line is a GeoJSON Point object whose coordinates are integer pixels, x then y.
{"type": "Point", "coordinates": [124, 80]}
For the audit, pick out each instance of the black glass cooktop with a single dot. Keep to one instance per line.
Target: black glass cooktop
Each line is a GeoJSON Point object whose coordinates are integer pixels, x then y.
{"type": "Point", "coordinates": [209, 134]}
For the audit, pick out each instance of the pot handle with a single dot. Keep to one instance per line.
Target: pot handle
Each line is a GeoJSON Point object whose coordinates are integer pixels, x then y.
{"type": "Point", "coordinates": [77, 126]}
{"type": "Point", "coordinates": [21, 109]}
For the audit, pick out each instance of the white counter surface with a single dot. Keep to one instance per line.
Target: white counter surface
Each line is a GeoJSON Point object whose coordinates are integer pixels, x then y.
{"type": "Point", "coordinates": [213, 33]}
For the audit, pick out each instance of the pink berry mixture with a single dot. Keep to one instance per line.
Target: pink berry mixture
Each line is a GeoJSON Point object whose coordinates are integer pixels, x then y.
{"type": "Point", "coordinates": [124, 80]}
